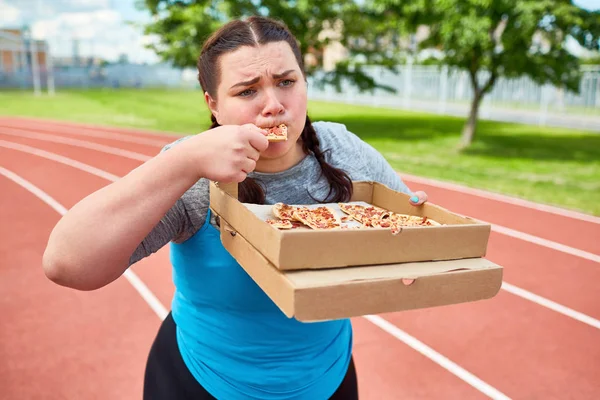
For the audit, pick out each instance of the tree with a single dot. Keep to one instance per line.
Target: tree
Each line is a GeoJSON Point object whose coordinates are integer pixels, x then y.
{"type": "Point", "coordinates": [502, 38]}
{"type": "Point", "coordinates": [183, 25]}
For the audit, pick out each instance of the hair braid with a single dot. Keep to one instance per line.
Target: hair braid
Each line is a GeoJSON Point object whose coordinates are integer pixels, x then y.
{"type": "Point", "coordinates": [340, 183]}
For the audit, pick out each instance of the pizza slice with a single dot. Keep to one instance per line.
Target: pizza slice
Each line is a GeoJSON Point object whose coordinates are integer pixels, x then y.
{"type": "Point", "coordinates": [277, 133]}
{"type": "Point", "coordinates": [284, 211]}
{"type": "Point", "coordinates": [413, 220]}
{"type": "Point", "coordinates": [369, 216]}
{"type": "Point", "coordinates": [376, 217]}
{"type": "Point", "coordinates": [280, 224]}
{"type": "Point", "coordinates": [317, 218]}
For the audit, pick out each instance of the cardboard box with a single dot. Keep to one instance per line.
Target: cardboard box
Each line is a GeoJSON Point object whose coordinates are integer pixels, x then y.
{"type": "Point", "coordinates": [459, 238]}
{"type": "Point", "coordinates": [326, 294]}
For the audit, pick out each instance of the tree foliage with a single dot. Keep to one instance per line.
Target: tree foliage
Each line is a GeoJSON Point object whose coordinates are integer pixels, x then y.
{"type": "Point", "coordinates": [502, 38]}
{"type": "Point", "coordinates": [182, 26]}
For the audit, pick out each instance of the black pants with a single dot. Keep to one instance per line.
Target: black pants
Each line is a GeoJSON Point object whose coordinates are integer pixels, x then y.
{"type": "Point", "coordinates": [167, 377]}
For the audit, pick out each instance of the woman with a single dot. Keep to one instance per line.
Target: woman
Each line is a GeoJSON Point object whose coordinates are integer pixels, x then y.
{"type": "Point", "coordinates": [224, 338]}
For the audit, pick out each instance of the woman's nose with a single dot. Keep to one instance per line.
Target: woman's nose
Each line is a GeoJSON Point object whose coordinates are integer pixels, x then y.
{"type": "Point", "coordinates": [272, 105]}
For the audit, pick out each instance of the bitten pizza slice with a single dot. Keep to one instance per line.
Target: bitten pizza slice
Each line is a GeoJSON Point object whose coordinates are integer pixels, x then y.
{"type": "Point", "coordinates": [277, 133]}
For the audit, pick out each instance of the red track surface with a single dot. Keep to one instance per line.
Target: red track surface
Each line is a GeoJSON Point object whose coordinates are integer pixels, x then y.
{"type": "Point", "coordinates": [58, 343]}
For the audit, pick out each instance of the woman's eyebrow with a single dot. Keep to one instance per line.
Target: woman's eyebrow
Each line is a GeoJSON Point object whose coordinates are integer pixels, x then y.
{"type": "Point", "coordinates": [283, 74]}
{"type": "Point", "coordinates": [255, 80]}
{"type": "Point", "coordinates": [246, 83]}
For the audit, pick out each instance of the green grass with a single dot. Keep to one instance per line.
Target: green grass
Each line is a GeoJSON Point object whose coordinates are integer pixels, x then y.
{"type": "Point", "coordinates": [548, 165]}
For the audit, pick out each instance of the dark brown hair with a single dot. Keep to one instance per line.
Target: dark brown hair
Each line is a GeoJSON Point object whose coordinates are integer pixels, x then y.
{"type": "Point", "coordinates": [252, 32]}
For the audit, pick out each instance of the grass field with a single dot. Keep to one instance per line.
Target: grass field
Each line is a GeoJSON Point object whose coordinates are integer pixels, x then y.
{"type": "Point", "coordinates": [548, 165]}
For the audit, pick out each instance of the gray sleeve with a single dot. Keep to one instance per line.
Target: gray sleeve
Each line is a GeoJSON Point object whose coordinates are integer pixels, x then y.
{"type": "Point", "coordinates": [381, 170]}
{"type": "Point", "coordinates": [180, 222]}
{"type": "Point", "coordinates": [362, 160]}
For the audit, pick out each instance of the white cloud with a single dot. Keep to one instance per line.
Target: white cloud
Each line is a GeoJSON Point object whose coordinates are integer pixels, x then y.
{"type": "Point", "coordinates": [101, 33]}
{"type": "Point", "coordinates": [99, 30]}
{"type": "Point", "coordinates": [10, 15]}
{"type": "Point", "coordinates": [87, 3]}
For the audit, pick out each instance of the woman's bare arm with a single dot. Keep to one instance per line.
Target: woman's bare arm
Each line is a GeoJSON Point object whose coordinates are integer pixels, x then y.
{"type": "Point", "coordinates": [92, 244]}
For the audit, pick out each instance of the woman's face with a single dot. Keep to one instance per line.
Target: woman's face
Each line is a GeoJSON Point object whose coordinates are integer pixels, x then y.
{"type": "Point", "coordinates": [264, 86]}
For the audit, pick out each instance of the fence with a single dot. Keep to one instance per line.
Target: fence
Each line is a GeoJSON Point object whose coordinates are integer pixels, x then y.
{"type": "Point", "coordinates": [115, 76]}
{"type": "Point", "coordinates": [446, 91]}
{"type": "Point", "coordinates": [421, 88]}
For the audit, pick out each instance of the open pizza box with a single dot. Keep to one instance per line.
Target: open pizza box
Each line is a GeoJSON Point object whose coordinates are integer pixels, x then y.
{"type": "Point", "coordinates": [458, 237]}
{"type": "Point", "coordinates": [335, 293]}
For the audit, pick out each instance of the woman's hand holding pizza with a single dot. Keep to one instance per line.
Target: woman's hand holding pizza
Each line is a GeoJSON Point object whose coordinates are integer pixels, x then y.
{"type": "Point", "coordinates": [227, 153]}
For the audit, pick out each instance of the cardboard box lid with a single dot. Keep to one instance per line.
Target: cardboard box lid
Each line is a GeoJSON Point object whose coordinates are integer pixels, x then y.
{"type": "Point", "coordinates": [406, 271]}
{"type": "Point", "coordinates": [316, 295]}
{"type": "Point", "coordinates": [309, 249]}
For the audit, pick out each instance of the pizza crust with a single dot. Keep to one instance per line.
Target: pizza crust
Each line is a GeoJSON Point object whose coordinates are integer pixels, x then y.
{"type": "Point", "coordinates": [277, 133]}
{"type": "Point", "coordinates": [280, 224]}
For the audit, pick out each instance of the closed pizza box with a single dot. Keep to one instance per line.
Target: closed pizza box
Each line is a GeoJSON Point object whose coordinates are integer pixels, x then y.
{"type": "Point", "coordinates": [458, 237]}
{"type": "Point", "coordinates": [327, 294]}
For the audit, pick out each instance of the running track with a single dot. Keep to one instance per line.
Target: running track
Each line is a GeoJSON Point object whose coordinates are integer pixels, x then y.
{"type": "Point", "coordinates": [539, 338]}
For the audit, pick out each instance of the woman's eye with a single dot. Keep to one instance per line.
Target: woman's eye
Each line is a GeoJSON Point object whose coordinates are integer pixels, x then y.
{"type": "Point", "coordinates": [287, 82]}
{"type": "Point", "coordinates": [246, 93]}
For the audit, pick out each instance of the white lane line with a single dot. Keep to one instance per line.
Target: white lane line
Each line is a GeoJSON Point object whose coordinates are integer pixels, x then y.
{"type": "Point", "coordinates": [162, 312]}
{"type": "Point", "coordinates": [141, 157]}
{"type": "Point", "coordinates": [437, 358]}
{"type": "Point", "coordinates": [39, 193]}
{"type": "Point", "coordinates": [502, 198]}
{"type": "Point", "coordinates": [102, 174]}
{"type": "Point", "coordinates": [58, 158]}
{"type": "Point", "coordinates": [77, 143]}
{"type": "Point", "coordinates": [133, 279]}
{"type": "Point", "coordinates": [559, 308]}
{"type": "Point", "coordinates": [146, 294]}
{"type": "Point", "coordinates": [102, 128]}
{"type": "Point", "coordinates": [90, 133]}
{"type": "Point", "coordinates": [545, 243]}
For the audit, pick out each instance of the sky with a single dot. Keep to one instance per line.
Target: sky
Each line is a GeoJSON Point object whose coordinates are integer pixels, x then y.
{"type": "Point", "coordinates": [99, 26]}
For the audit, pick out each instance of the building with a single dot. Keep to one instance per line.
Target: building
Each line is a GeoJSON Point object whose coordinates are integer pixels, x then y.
{"type": "Point", "coordinates": [16, 52]}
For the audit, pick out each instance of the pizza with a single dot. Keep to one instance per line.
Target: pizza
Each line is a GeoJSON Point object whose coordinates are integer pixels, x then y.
{"type": "Point", "coordinates": [413, 220]}
{"type": "Point", "coordinates": [324, 217]}
{"type": "Point", "coordinates": [376, 217]}
{"type": "Point", "coordinates": [370, 216]}
{"type": "Point", "coordinates": [277, 133]}
{"type": "Point", "coordinates": [284, 211]}
{"type": "Point", "coordinates": [317, 218]}
{"type": "Point", "coordinates": [280, 224]}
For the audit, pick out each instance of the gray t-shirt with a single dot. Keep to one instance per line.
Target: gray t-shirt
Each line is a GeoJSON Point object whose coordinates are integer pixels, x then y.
{"type": "Point", "coordinates": [342, 149]}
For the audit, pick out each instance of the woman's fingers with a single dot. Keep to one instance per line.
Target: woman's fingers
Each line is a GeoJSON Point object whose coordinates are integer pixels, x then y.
{"type": "Point", "coordinates": [253, 154]}
{"type": "Point", "coordinates": [418, 198]}
{"type": "Point", "coordinates": [248, 165]}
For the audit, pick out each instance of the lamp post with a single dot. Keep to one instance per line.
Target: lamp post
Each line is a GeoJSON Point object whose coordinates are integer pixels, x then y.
{"type": "Point", "coordinates": [35, 70]}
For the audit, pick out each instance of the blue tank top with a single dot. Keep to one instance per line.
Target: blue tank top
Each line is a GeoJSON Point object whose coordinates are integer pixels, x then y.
{"type": "Point", "coordinates": [237, 343]}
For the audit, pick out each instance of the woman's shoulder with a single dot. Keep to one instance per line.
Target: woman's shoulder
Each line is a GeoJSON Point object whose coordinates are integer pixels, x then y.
{"type": "Point", "coordinates": [336, 136]}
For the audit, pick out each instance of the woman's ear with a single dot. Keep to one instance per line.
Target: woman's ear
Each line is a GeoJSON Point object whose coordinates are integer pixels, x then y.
{"type": "Point", "coordinates": [212, 105]}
